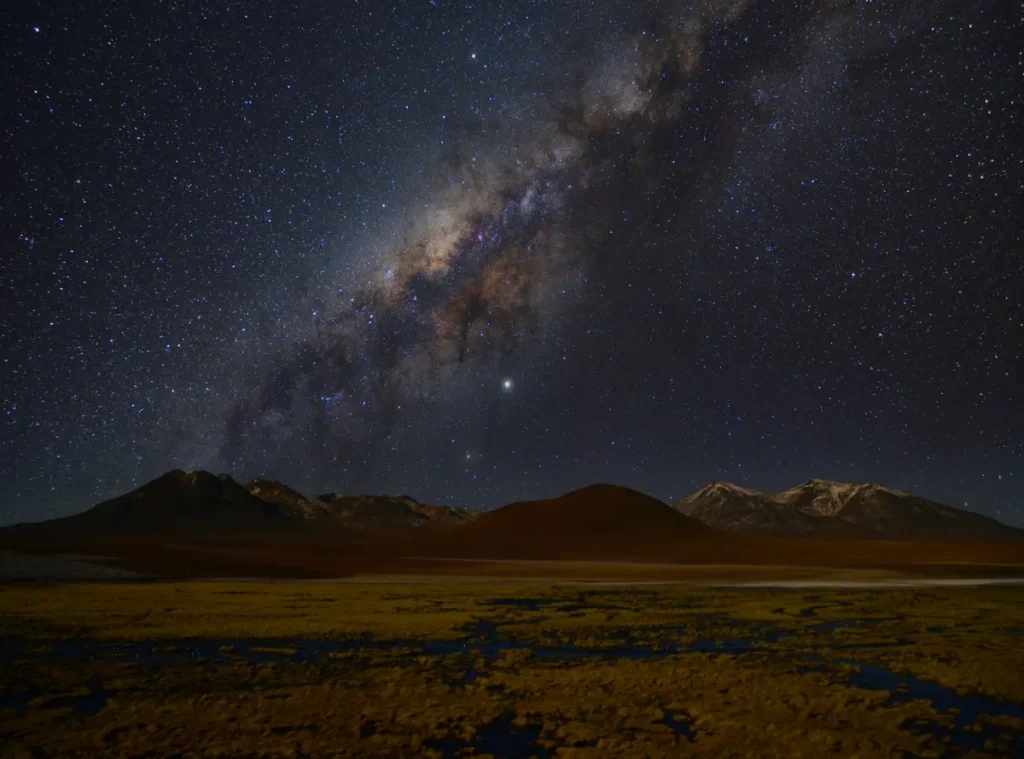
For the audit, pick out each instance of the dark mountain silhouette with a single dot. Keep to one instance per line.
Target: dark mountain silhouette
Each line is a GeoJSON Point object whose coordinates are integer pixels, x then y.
{"type": "Point", "coordinates": [829, 509]}
{"type": "Point", "coordinates": [201, 504]}
{"type": "Point", "coordinates": [178, 501]}
{"type": "Point", "coordinates": [598, 522]}
{"type": "Point", "coordinates": [199, 524]}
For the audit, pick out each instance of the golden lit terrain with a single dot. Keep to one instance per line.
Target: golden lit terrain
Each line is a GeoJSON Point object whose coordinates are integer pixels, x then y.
{"type": "Point", "coordinates": [516, 670]}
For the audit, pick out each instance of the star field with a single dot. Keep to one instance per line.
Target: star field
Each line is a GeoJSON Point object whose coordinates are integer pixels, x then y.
{"type": "Point", "coordinates": [479, 252]}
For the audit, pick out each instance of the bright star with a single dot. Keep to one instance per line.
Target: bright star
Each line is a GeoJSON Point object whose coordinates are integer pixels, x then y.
{"type": "Point", "coordinates": [506, 384]}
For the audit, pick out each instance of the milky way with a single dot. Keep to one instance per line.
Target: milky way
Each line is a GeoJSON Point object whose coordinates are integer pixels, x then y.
{"type": "Point", "coordinates": [473, 275]}
{"type": "Point", "coordinates": [479, 254]}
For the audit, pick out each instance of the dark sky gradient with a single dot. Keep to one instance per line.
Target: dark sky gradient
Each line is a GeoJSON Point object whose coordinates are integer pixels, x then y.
{"type": "Point", "coordinates": [487, 251]}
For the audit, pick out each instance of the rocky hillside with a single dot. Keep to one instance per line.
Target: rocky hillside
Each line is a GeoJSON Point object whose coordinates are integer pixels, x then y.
{"type": "Point", "coordinates": [364, 513]}
{"type": "Point", "coordinates": [387, 513]}
{"type": "Point", "coordinates": [830, 509]}
{"type": "Point", "coordinates": [179, 501]}
{"type": "Point", "coordinates": [202, 503]}
{"type": "Point", "coordinates": [738, 509]}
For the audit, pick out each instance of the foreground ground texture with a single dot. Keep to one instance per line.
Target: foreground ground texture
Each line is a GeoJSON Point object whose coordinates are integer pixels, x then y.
{"type": "Point", "coordinates": [512, 670]}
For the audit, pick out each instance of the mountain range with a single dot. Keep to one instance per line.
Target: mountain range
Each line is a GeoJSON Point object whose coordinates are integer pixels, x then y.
{"type": "Point", "coordinates": [198, 502]}
{"type": "Point", "coordinates": [192, 524]}
{"type": "Point", "coordinates": [829, 509]}
{"type": "Point", "coordinates": [370, 513]}
{"type": "Point", "coordinates": [188, 501]}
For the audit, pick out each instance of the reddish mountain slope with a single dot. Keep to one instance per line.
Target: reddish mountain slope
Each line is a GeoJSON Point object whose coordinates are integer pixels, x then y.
{"type": "Point", "coordinates": [196, 523]}
{"type": "Point", "coordinates": [202, 505]}
{"type": "Point", "coordinates": [599, 522]}
{"type": "Point", "coordinates": [191, 502]}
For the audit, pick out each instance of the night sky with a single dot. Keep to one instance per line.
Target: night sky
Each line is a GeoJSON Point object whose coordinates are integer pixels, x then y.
{"type": "Point", "coordinates": [478, 252]}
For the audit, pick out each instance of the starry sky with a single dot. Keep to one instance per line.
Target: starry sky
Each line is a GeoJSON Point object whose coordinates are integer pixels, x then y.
{"type": "Point", "coordinates": [485, 251]}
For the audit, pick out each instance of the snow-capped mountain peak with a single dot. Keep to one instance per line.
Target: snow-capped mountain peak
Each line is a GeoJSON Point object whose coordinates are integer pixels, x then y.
{"type": "Point", "coordinates": [828, 508]}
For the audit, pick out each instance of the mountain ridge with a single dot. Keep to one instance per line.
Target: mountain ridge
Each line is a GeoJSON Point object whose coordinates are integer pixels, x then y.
{"type": "Point", "coordinates": [199, 501]}
{"type": "Point", "coordinates": [833, 509]}
{"type": "Point", "coordinates": [202, 502]}
{"type": "Point", "coordinates": [187, 524]}
{"type": "Point", "coordinates": [178, 500]}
